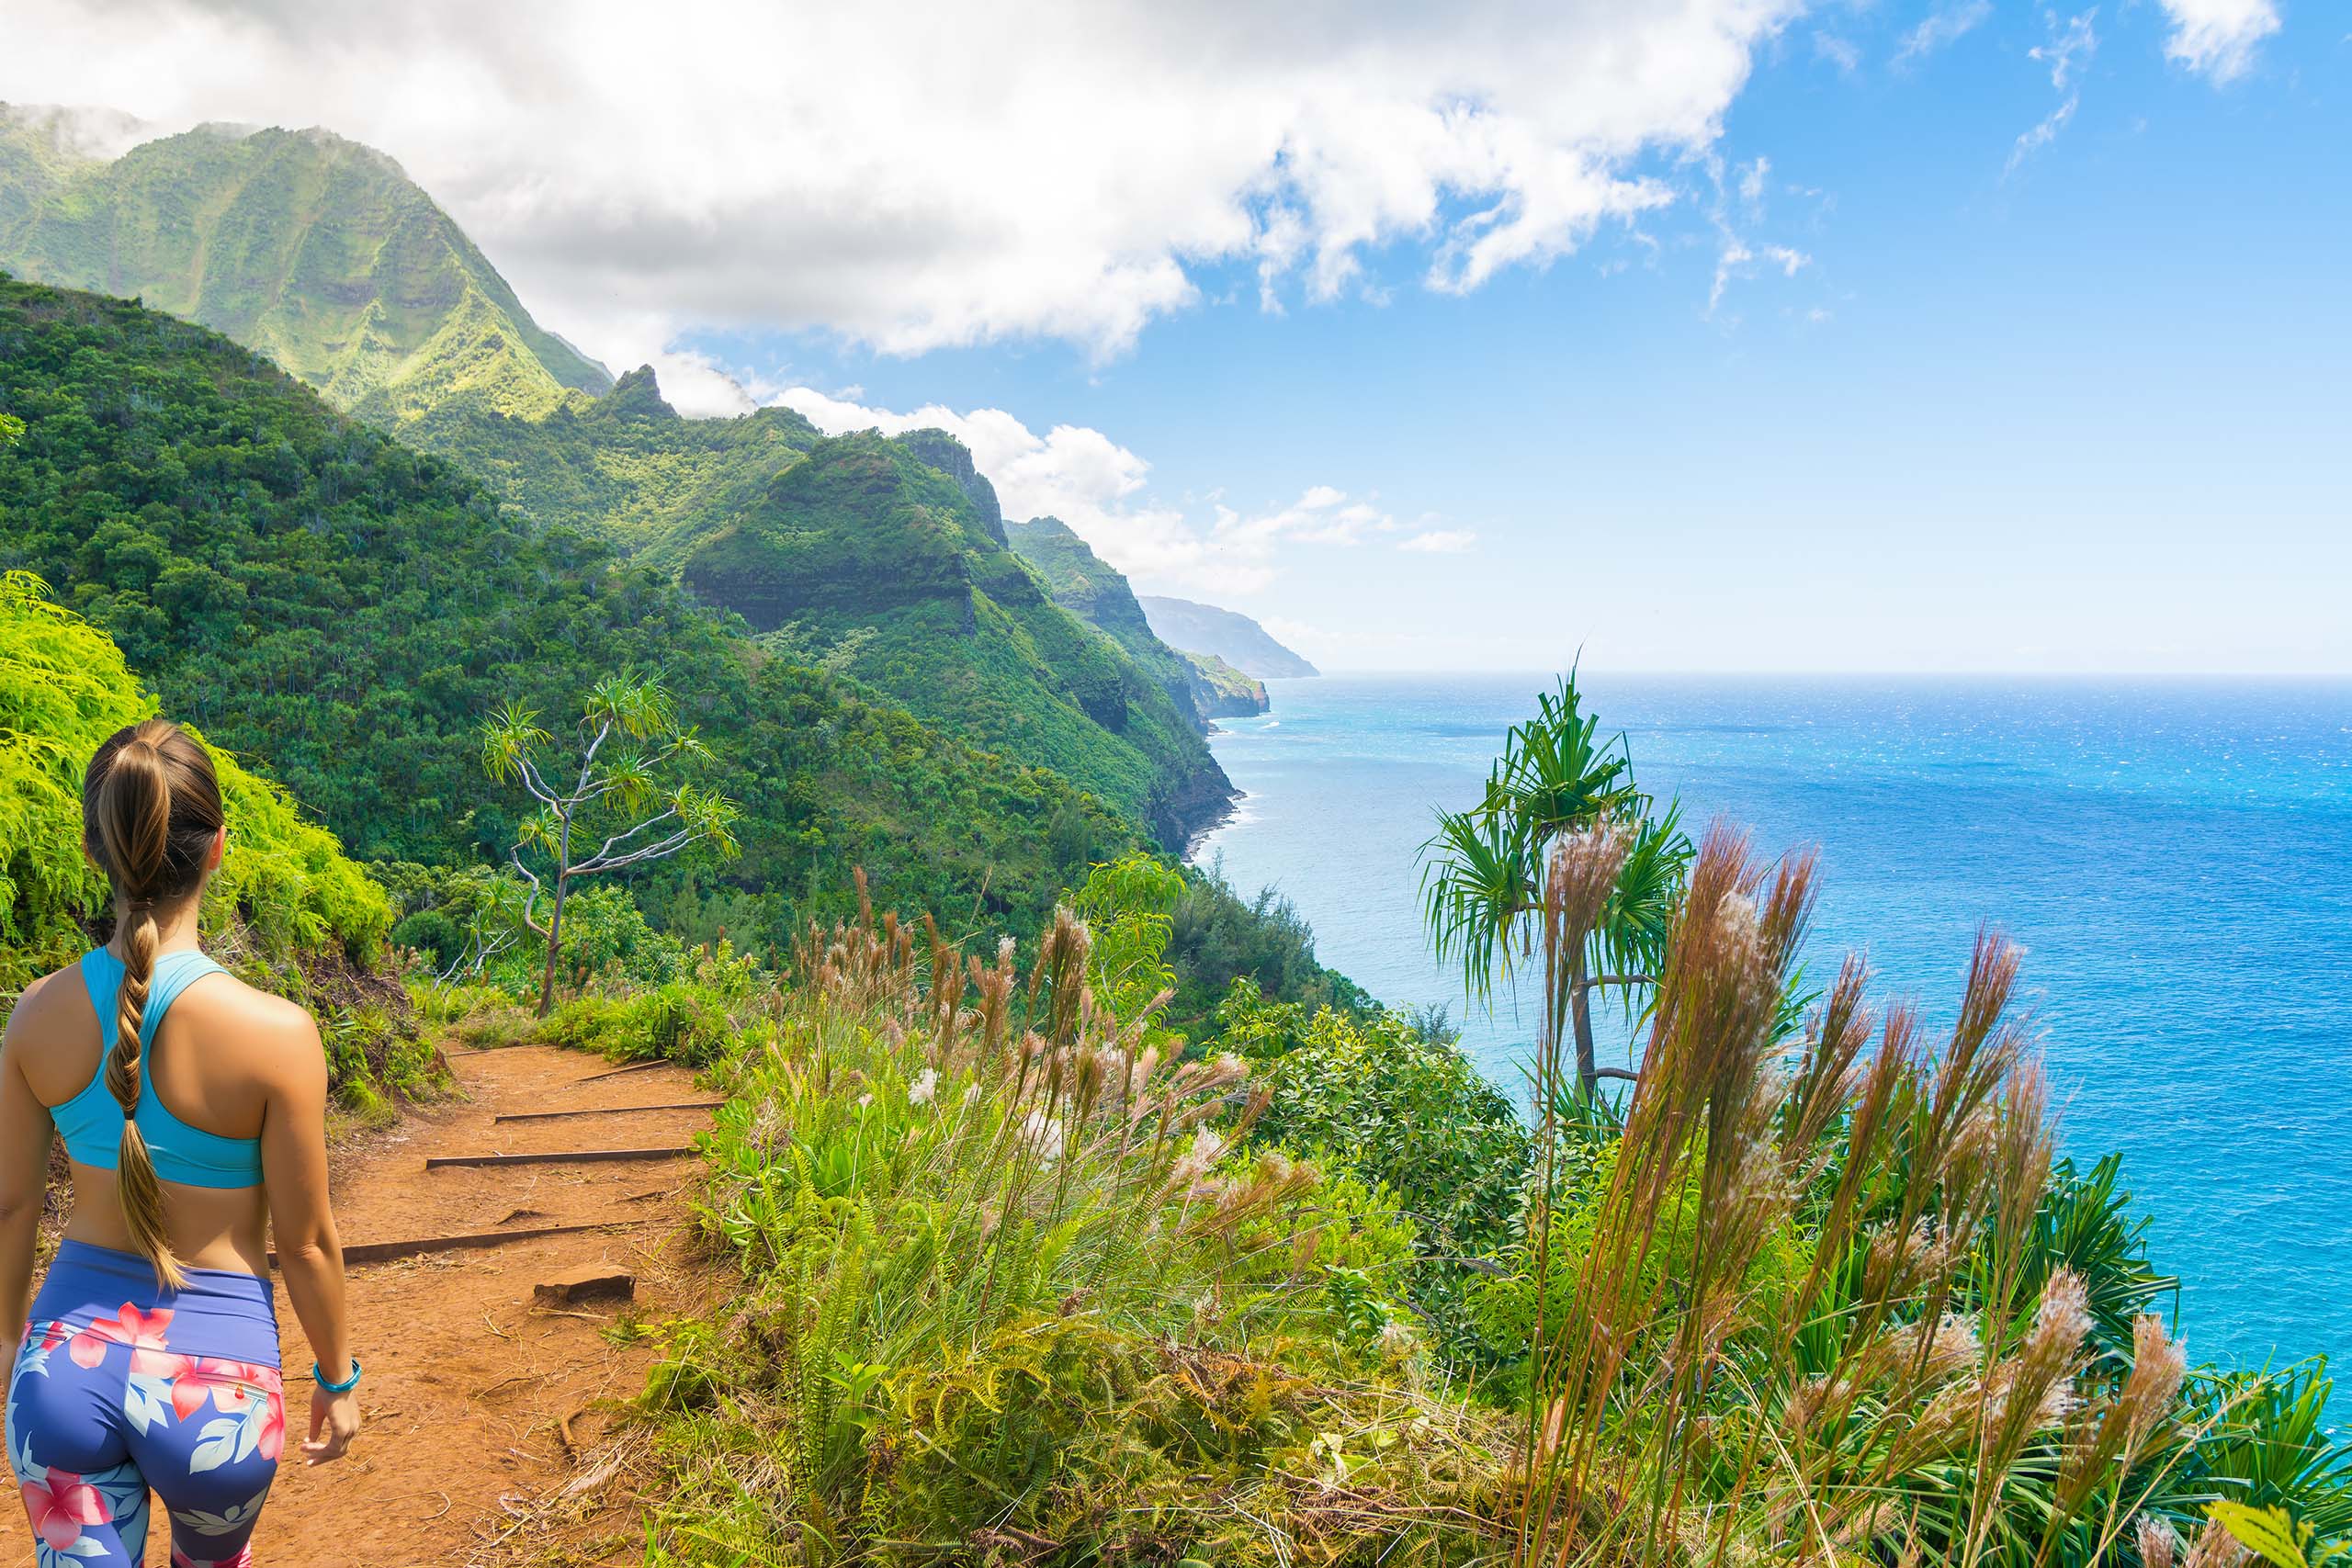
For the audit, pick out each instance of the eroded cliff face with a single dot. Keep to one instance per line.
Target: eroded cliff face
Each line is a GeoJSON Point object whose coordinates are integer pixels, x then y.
{"type": "Point", "coordinates": [950, 457]}
{"type": "Point", "coordinates": [1225, 691]}
{"type": "Point", "coordinates": [1095, 591]}
{"type": "Point", "coordinates": [872, 556]}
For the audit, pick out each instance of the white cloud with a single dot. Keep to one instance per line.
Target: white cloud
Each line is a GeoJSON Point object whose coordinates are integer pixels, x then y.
{"type": "Point", "coordinates": [1735, 255]}
{"type": "Point", "coordinates": [1440, 541]}
{"type": "Point", "coordinates": [2217, 37]}
{"type": "Point", "coordinates": [1944, 26]}
{"type": "Point", "coordinates": [2071, 46]}
{"type": "Point", "coordinates": [1838, 51]}
{"type": "Point", "coordinates": [1095, 485]}
{"type": "Point", "coordinates": [912, 175]}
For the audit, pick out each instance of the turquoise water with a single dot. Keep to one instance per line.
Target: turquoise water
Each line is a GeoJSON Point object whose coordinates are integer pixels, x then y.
{"type": "Point", "coordinates": [2174, 857]}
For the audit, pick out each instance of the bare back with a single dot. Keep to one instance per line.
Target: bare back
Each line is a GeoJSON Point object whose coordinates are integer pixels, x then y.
{"type": "Point", "coordinates": [227, 1060]}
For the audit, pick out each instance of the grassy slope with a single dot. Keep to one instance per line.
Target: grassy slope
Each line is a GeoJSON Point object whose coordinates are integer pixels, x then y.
{"type": "Point", "coordinates": [1229, 691]}
{"type": "Point", "coordinates": [1090, 589]}
{"type": "Point", "coordinates": [312, 593]}
{"type": "Point", "coordinates": [866, 556]}
{"type": "Point", "coordinates": [313, 250]}
{"type": "Point", "coordinates": [624, 466]}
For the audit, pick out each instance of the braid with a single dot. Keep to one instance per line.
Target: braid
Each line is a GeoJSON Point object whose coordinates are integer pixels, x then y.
{"type": "Point", "coordinates": [136, 1183]}
{"type": "Point", "coordinates": [151, 807]}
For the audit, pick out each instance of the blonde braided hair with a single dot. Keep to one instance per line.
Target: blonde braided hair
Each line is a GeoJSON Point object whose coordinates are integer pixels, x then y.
{"type": "Point", "coordinates": [151, 811]}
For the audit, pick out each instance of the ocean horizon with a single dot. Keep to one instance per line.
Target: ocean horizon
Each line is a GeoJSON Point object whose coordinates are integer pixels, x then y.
{"type": "Point", "coordinates": [2174, 854]}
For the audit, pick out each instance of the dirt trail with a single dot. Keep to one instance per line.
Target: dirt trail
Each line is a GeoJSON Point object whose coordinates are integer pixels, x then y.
{"type": "Point", "coordinates": [477, 1397]}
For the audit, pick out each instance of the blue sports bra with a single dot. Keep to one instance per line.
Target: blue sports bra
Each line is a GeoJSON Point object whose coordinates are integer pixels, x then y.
{"type": "Point", "coordinates": [91, 1122]}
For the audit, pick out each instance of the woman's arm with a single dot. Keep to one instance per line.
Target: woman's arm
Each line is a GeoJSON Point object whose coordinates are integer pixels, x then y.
{"type": "Point", "coordinates": [25, 1132]}
{"type": "Point", "coordinates": [310, 1255]}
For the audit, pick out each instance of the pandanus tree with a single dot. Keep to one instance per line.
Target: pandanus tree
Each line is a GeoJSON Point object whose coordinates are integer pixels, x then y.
{"type": "Point", "coordinates": [1485, 870]}
{"type": "Point", "coordinates": [619, 792]}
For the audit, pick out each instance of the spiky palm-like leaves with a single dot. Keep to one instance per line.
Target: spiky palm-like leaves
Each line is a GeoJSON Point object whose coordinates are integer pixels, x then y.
{"type": "Point", "coordinates": [1483, 869]}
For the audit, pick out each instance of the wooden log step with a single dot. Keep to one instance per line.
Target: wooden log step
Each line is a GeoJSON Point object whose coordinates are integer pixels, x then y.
{"type": "Point", "coordinates": [632, 1068]}
{"type": "Point", "coordinates": [560, 1157]}
{"type": "Point", "coordinates": [588, 1282]}
{"type": "Point", "coordinates": [384, 1251]}
{"type": "Point", "coordinates": [609, 1110]}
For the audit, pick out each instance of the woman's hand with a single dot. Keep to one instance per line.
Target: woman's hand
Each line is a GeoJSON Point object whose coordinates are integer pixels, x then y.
{"type": "Point", "coordinates": [335, 1421]}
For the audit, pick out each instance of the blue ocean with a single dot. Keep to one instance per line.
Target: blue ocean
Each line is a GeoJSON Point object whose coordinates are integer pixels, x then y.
{"type": "Point", "coordinates": [2175, 856]}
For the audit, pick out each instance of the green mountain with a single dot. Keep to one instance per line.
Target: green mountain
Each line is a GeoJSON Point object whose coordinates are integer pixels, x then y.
{"type": "Point", "coordinates": [315, 251]}
{"type": "Point", "coordinates": [1227, 633]}
{"type": "Point", "coordinates": [868, 559]}
{"type": "Point", "coordinates": [324, 601]}
{"type": "Point", "coordinates": [1231, 694]}
{"type": "Point", "coordinates": [1090, 589]}
{"type": "Point", "coordinates": [623, 467]}
{"type": "Point", "coordinates": [321, 255]}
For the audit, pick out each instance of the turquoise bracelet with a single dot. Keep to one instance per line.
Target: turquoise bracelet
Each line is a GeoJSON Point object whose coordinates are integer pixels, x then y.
{"type": "Point", "coordinates": [343, 1387]}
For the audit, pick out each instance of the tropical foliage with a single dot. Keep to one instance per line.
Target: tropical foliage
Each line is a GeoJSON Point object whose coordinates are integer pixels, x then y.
{"type": "Point", "coordinates": [1485, 889]}
{"type": "Point", "coordinates": [307, 590]}
{"type": "Point", "coordinates": [1015, 1285]}
{"type": "Point", "coordinates": [287, 909]}
{"type": "Point", "coordinates": [613, 794]}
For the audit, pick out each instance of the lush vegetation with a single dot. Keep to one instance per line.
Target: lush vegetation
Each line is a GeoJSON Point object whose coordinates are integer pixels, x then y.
{"type": "Point", "coordinates": [628, 741]}
{"type": "Point", "coordinates": [1486, 889]}
{"type": "Point", "coordinates": [305, 589]}
{"type": "Point", "coordinates": [623, 468]}
{"type": "Point", "coordinates": [1811, 1288]}
{"type": "Point", "coordinates": [1082, 583]}
{"type": "Point", "coordinates": [866, 558]}
{"type": "Point", "coordinates": [321, 255]}
{"type": "Point", "coordinates": [1134, 1235]}
{"type": "Point", "coordinates": [1021, 1282]}
{"type": "Point", "coordinates": [288, 911]}
{"type": "Point", "coordinates": [313, 250]}
{"type": "Point", "coordinates": [1017, 1284]}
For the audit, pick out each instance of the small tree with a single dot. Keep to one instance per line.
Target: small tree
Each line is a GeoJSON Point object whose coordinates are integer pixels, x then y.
{"type": "Point", "coordinates": [1483, 869]}
{"type": "Point", "coordinates": [615, 792]}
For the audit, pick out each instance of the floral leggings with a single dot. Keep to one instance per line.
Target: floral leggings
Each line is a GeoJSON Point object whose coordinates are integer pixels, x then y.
{"type": "Point", "coordinates": [119, 1387]}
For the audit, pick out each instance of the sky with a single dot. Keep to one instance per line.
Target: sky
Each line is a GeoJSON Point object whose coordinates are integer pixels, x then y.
{"type": "Point", "coordinates": [1675, 334]}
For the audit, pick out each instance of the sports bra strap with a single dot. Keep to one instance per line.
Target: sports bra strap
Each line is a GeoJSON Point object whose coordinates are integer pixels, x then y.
{"type": "Point", "coordinates": [91, 1122]}
{"type": "Point", "coordinates": [174, 973]}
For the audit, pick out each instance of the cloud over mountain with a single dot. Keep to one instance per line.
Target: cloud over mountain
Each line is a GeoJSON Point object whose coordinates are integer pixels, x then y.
{"type": "Point", "coordinates": [1095, 485]}
{"type": "Point", "coordinates": [916, 176]}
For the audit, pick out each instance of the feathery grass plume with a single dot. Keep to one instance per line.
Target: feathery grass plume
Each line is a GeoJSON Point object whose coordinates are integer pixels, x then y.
{"type": "Point", "coordinates": [1825, 1081]}
{"type": "Point", "coordinates": [2217, 1548]}
{"type": "Point", "coordinates": [1047, 1293]}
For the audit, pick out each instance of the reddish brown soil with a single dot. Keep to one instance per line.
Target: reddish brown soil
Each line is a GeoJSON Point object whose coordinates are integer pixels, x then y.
{"type": "Point", "coordinates": [479, 1400]}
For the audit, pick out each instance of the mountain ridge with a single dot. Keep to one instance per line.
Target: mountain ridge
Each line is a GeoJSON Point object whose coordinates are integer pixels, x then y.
{"type": "Point", "coordinates": [868, 558]}
{"type": "Point", "coordinates": [304, 245]}
{"type": "Point", "coordinates": [306, 589]}
{"type": "Point", "coordinates": [1227, 633]}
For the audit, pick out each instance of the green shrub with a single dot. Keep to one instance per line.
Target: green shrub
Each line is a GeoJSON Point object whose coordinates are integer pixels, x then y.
{"type": "Point", "coordinates": [288, 912]}
{"type": "Point", "coordinates": [432, 934]}
{"type": "Point", "coordinates": [1405, 1111]}
{"type": "Point", "coordinates": [1029, 1289]}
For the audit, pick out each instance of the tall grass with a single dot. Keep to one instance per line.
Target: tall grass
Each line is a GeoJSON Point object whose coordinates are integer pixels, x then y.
{"type": "Point", "coordinates": [1017, 1285]}
{"type": "Point", "coordinates": [1822, 1302]}
{"type": "Point", "coordinates": [1023, 1281]}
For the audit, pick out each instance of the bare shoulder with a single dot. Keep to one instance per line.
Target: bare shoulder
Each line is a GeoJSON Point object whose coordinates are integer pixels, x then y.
{"type": "Point", "coordinates": [269, 1031]}
{"type": "Point", "coordinates": [56, 1004]}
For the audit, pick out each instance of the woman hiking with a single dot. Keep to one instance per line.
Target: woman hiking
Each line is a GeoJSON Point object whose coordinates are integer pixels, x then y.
{"type": "Point", "coordinates": [194, 1111]}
